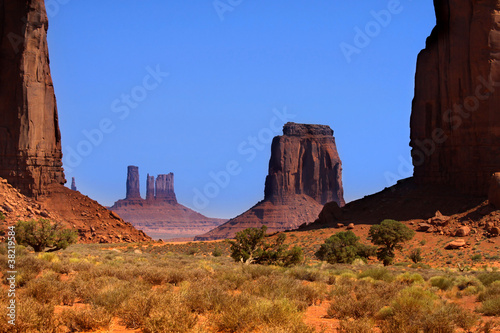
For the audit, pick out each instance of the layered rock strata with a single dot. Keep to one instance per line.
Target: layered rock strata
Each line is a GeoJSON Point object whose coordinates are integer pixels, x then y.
{"type": "Point", "coordinates": [455, 123]}
{"type": "Point", "coordinates": [30, 140]}
{"type": "Point", "coordinates": [305, 172]}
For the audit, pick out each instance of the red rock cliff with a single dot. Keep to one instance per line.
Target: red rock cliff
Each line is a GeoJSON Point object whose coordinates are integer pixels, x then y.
{"type": "Point", "coordinates": [305, 172]}
{"type": "Point", "coordinates": [455, 122]}
{"type": "Point", "coordinates": [30, 141]}
{"type": "Point", "coordinates": [304, 160]}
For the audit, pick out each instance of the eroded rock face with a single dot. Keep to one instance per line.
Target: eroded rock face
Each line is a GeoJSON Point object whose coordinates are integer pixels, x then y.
{"type": "Point", "coordinates": [150, 188]}
{"type": "Point", "coordinates": [455, 123]}
{"type": "Point", "coordinates": [30, 140]}
{"type": "Point", "coordinates": [304, 160]}
{"type": "Point", "coordinates": [305, 172]}
{"type": "Point", "coordinates": [165, 188]}
{"type": "Point", "coordinates": [494, 191]}
{"type": "Point", "coordinates": [133, 186]}
{"type": "Point", "coordinates": [160, 215]}
{"type": "Point", "coordinates": [73, 184]}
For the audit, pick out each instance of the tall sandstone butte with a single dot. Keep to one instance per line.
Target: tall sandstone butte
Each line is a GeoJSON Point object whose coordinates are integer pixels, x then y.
{"type": "Point", "coordinates": [30, 141]}
{"type": "Point", "coordinates": [455, 121]}
{"type": "Point", "coordinates": [133, 187]}
{"type": "Point", "coordinates": [305, 172]}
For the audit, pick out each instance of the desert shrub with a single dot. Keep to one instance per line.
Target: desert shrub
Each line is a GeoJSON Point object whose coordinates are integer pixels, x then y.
{"type": "Point", "coordinates": [362, 298]}
{"type": "Point", "coordinates": [160, 310]}
{"type": "Point", "coordinates": [217, 252]}
{"type": "Point", "coordinates": [246, 314]}
{"type": "Point", "coordinates": [441, 282]}
{"type": "Point", "coordinates": [168, 315]}
{"type": "Point", "coordinates": [488, 278]}
{"type": "Point", "coordinates": [469, 283]}
{"type": "Point", "coordinates": [306, 274]}
{"type": "Point", "coordinates": [232, 278]}
{"type": "Point", "coordinates": [362, 325]}
{"type": "Point", "coordinates": [389, 236]}
{"type": "Point", "coordinates": [28, 267]}
{"type": "Point", "coordinates": [416, 255]}
{"type": "Point", "coordinates": [43, 234]}
{"type": "Point", "coordinates": [285, 287]}
{"type": "Point", "coordinates": [113, 292]}
{"type": "Point", "coordinates": [154, 275]}
{"type": "Point", "coordinates": [410, 278]}
{"type": "Point", "coordinates": [491, 307]}
{"type": "Point", "coordinates": [204, 296]}
{"type": "Point", "coordinates": [418, 310]}
{"type": "Point", "coordinates": [381, 274]}
{"type": "Point", "coordinates": [2, 216]}
{"type": "Point", "coordinates": [33, 316]}
{"type": "Point", "coordinates": [491, 291]}
{"type": "Point", "coordinates": [343, 247]}
{"type": "Point", "coordinates": [250, 246]}
{"type": "Point", "coordinates": [46, 289]}
{"type": "Point", "coordinates": [491, 300]}
{"type": "Point", "coordinates": [86, 319]}
{"type": "Point", "coordinates": [257, 271]}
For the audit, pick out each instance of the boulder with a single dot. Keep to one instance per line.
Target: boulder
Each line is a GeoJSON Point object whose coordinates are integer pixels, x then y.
{"type": "Point", "coordinates": [439, 220]}
{"type": "Point", "coordinates": [462, 231]}
{"type": "Point", "coordinates": [423, 227]}
{"type": "Point", "coordinates": [456, 244]}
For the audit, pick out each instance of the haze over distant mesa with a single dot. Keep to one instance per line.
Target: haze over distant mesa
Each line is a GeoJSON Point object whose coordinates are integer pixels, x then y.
{"type": "Point", "coordinates": [305, 172]}
{"type": "Point", "coordinates": [160, 215]}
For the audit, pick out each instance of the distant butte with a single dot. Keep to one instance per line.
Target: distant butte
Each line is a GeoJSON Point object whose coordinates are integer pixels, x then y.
{"type": "Point", "coordinates": [160, 215]}
{"type": "Point", "coordinates": [305, 172]}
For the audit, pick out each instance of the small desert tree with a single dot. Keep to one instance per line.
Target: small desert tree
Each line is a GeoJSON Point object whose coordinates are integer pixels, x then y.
{"type": "Point", "coordinates": [250, 246]}
{"type": "Point", "coordinates": [343, 247]}
{"type": "Point", "coordinates": [389, 235]}
{"type": "Point", "coordinates": [43, 234]}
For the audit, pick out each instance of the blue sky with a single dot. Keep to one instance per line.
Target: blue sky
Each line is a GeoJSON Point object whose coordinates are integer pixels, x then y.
{"type": "Point", "coordinates": [198, 88]}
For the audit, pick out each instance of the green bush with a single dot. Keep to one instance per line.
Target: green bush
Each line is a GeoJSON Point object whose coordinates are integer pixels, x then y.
{"type": "Point", "coordinates": [250, 247]}
{"type": "Point", "coordinates": [488, 278]}
{"type": "Point", "coordinates": [381, 274]}
{"type": "Point", "coordinates": [416, 255]}
{"type": "Point", "coordinates": [343, 247]}
{"type": "Point", "coordinates": [217, 252]}
{"type": "Point", "coordinates": [441, 282]}
{"type": "Point", "coordinates": [389, 235]}
{"type": "Point", "coordinates": [43, 234]}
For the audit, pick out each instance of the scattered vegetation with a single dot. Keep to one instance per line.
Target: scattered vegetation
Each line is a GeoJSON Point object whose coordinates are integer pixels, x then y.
{"type": "Point", "coordinates": [389, 235]}
{"type": "Point", "coordinates": [43, 234]}
{"type": "Point", "coordinates": [162, 288]}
